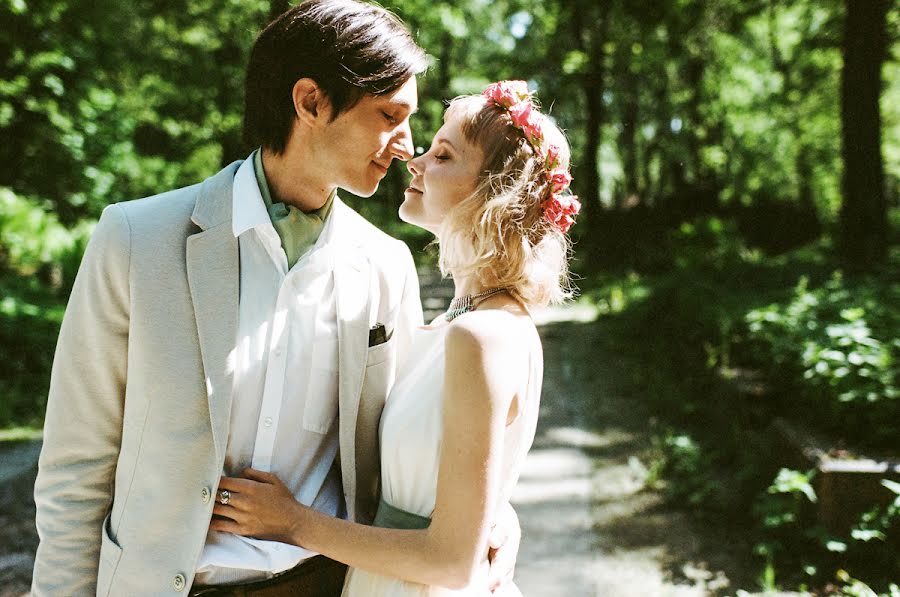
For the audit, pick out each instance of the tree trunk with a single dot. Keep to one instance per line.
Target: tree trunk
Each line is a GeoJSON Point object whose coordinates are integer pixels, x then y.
{"type": "Point", "coordinates": [863, 217]}
{"type": "Point", "coordinates": [630, 118]}
{"type": "Point", "coordinates": [588, 171]}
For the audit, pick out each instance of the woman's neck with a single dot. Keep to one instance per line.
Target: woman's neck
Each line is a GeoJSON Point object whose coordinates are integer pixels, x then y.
{"type": "Point", "coordinates": [468, 286]}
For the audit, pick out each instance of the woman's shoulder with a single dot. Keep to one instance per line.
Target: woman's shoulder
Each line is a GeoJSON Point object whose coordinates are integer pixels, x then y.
{"type": "Point", "coordinates": [499, 332]}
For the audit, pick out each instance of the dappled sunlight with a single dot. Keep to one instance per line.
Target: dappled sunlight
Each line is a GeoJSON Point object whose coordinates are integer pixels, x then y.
{"type": "Point", "coordinates": [580, 312]}
{"type": "Point", "coordinates": [554, 475]}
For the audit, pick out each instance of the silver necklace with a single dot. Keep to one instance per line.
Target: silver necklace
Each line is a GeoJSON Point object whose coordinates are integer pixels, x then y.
{"type": "Point", "coordinates": [464, 304]}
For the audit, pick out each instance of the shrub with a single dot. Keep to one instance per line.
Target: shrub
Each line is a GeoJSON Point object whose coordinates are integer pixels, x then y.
{"type": "Point", "coordinates": [835, 347]}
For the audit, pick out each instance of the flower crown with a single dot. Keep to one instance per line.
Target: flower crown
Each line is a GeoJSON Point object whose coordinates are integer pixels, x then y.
{"type": "Point", "coordinates": [513, 96]}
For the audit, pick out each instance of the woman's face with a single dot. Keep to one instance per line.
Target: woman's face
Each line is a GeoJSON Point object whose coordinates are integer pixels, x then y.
{"type": "Point", "coordinates": [442, 177]}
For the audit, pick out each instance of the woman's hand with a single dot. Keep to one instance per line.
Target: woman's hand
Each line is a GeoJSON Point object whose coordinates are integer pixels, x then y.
{"type": "Point", "coordinates": [256, 505]}
{"type": "Point", "coordinates": [504, 548]}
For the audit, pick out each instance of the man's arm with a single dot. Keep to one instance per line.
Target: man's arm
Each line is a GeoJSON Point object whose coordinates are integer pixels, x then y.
{"type": "Point", "coordinates": [83, 427]}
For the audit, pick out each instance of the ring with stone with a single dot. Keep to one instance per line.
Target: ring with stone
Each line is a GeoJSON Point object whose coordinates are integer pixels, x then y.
{"type": "Point", "coordinates": [224, 497]}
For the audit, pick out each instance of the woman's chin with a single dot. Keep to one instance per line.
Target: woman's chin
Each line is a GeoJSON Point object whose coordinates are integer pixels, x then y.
{"type": "Point", "coordinates": [408, 214]}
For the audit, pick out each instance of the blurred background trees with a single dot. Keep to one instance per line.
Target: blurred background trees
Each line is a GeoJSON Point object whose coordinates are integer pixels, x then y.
{"type": "Point", "coordinates": [738, 161]}
{"type": "Point", "coordinates": [680, 106]}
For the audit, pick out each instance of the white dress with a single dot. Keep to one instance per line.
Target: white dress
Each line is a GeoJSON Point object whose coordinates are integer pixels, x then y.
{"type": "Point", "coordinates": [410, 453]}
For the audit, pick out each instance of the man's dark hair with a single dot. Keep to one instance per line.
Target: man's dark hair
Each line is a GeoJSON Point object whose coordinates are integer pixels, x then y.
{"type": "Point", "coordinates": [348, 48]}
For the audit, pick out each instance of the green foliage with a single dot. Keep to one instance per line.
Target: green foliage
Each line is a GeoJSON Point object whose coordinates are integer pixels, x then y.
{"type": "Point", "coordinates": [699, 329]}
{"type": "Point", "coordinates": [836, 345]}
{"type": "Point", "coordinates": [29, 325]}
{"type": "Point", "coordinates": [33, 241]}
{"type": "Point", "coordinates": [881, 523]}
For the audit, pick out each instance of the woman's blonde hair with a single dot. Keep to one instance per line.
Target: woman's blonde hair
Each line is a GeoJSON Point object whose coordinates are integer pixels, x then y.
{"type": "Point", "coordinates": [498, 235]}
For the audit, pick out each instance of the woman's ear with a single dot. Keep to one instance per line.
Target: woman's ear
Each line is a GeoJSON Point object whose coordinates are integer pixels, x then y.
{"type": "Point", "coordinates": [310, 102]}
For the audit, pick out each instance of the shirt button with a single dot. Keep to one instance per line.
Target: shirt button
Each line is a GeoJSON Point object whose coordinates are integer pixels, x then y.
{"type": "Point", "coordinates": [278, 352]}
{"type": "Point", "coordinates": [268, 422]}
{"type": "Point", "coordinates": [179, 582]}
{"type": "Point", "coordinates": [205, 494]}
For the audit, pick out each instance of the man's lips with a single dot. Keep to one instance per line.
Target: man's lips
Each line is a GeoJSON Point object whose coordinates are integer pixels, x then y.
{"type": "Point", "coordinates": [382, 167]}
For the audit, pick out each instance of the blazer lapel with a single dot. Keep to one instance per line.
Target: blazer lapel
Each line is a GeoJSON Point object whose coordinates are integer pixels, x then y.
{"type": "Point", "coordinates": [213, 276]}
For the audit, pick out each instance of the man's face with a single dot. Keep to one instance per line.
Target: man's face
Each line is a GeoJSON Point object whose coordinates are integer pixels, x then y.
{"type": "Point", "coordinates": [362, 142]}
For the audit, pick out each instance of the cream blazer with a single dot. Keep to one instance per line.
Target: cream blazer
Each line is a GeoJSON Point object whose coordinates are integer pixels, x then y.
{"type": "Point", "coordinates": [140, 394]}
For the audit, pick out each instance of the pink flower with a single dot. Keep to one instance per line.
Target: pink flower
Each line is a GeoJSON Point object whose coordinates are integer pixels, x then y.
{"type": "Point", "coordinates": [551, 162]}
{"type": "Point", "coordinates": [520, 113]}
{"type": "Point", "coordinates": [559, 180]}
{"type": "Point", "coordinates": [560, 210]}
{"type": "Point", "coordinates": [507, 93]}
{"type": "Point", "coordinates": [533, 131]}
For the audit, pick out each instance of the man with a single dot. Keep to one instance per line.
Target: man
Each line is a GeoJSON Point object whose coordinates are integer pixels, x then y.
{"type": "Point", "coordinates": [250, 320]}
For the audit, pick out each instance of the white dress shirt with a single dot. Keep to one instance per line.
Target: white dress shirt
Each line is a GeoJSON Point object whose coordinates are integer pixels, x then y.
{"type": "Point", "coordinates": [285, 399]}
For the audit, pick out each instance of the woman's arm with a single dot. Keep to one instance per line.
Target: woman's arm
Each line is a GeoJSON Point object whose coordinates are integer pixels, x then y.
{"type": "Point", "coordinates": [481, 378]}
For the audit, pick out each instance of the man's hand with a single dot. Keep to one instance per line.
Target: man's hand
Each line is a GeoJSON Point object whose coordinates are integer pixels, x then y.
{"type": "Point", "coordinates": [504, 548]}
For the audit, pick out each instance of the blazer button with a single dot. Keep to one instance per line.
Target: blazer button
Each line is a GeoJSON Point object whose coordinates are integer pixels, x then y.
{"type": "Point", "coordinates": [179, 582]}
{"type": "Point", "coordinates": [205, 494]}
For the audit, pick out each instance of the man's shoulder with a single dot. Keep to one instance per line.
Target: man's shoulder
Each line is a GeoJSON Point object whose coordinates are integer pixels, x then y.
{"type": "Point", "coordinates": [175, 202]}
{"type": "Point", "coordinates": [177, 206]}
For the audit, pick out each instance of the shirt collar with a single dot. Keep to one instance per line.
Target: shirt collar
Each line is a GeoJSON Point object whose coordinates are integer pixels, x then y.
{"type": "Point", "coordinates": [248, 208]}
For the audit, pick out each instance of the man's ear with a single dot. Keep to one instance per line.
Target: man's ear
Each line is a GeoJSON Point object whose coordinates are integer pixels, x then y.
{"type": "Point", "coordinates": [310, 102]}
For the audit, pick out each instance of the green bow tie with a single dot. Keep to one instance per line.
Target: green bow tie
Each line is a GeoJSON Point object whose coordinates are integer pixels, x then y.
{"type": "Point", "coordinates": [297, 230]}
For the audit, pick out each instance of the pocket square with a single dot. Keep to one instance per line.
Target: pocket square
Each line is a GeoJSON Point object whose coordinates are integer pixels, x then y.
{"type": "Point", "coordinates": [378, 334]}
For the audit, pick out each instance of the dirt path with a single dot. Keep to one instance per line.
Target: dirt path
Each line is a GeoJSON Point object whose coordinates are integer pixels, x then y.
{"type": "Point", "coordinates": [590, 527]}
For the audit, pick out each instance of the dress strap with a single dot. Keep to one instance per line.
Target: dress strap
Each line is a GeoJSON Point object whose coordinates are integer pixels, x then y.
{"type": "Point", "coordinates": [389, 517]}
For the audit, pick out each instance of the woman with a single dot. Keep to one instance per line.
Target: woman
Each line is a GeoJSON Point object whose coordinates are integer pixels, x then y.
{"type": "Point", "coordinates": [458, 423]}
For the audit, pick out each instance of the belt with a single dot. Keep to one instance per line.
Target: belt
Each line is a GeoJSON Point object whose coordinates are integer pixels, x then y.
{"type": "Point", "coordinates": [316, 577]}
{"type": "Point", "coordinates": [391, 517]}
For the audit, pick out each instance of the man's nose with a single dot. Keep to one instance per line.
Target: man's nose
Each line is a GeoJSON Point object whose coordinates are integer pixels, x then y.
{"type": "Point", "coordinates": [413, 166]}
{"type": "Point", "coordinates": [401, 146]}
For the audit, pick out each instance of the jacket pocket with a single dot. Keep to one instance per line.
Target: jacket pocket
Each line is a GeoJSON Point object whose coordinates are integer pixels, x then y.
{"type": "Point", "coordinates": [110, 553]}
{"type": "Point", "coordinates": [380, 352]}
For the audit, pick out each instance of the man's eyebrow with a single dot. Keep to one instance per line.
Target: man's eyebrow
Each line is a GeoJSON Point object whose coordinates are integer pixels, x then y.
{"type": "Point", "coordinates": [405, 105]}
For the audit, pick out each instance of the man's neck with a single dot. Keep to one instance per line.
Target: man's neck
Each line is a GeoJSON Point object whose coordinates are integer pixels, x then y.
{"type": "Point", "coordinates": [288, 183]}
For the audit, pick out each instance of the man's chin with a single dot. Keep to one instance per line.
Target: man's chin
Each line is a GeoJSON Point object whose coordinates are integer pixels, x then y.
{"type": "Point", "coordinates": [362, 190]}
